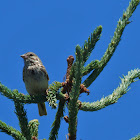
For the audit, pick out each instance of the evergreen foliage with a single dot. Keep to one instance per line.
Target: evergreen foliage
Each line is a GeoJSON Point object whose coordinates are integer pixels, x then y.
{"type": "Point", "coordinates": [23, 121]}
{"type": "Point", "coordinates": [136, 138]}
{"type": "Point", "coordinates": [69, 91]}
{"type": "Point", "coordinates": [56, 123]}
{"type": "Point", "coordinates": [17, 135]}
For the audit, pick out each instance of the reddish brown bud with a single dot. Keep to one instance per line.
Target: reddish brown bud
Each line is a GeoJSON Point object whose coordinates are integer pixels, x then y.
{"type": "Point", "coordinates": [66, 118]}
{"type": "Point", "coordinates": [79, 104]}
{"type": "Point", "coordinates": [66, 96]}
{"type": "Point", "coordinates": [70, 59]}
{"type": "Point", "coordinates": [34, 138]}
{"type": "Point", "coordinates": [68, 83]}
{"type": "Point", "coordinates": [84, 89]}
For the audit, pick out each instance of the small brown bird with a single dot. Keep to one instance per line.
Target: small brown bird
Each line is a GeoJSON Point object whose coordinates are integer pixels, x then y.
{"type": "Point", "coordinates": [35, 78]}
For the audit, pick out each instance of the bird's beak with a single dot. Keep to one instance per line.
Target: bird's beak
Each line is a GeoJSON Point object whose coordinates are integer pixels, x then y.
{"type": "Point", "coordinates": [23, 56]}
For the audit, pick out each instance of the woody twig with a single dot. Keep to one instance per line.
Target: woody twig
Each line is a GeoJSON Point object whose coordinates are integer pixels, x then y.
{"type": "Point", "coordinates": [67, 85]}
{"type": "Point", "coordinates": [68, 82]}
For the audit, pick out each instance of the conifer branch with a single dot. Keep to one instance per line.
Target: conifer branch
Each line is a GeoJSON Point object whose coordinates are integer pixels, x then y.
{"type": "Point", "coordinates": [92, 65]}
{"type": "Point", "coordinates": [72, 87]}
{"type": "Point", "coordinates": [74, 94]}
{"type": "Point", "coordinates": [117, 93]}
{"type": "Point", "coordinates": [56, 123]}
{"type": "Point", "coordinates": [63, 97]}
{"type": "Point", "coordinates": [136, 137]}
{"type": "Point", "coordinates": [14, 95]}
{"type": "Point", "coordinates": [33, 126]}
{"type": "Point", "coordinates": [11, 131]}
{"type": "Point", "coordinates": [23, 122]}
{"type": "Point", "coordinates": [52, 95]}
{"type": "Point", "coordinates": [20, 97]}
{"type": "Point", "coordinates": [90, 44]}
{"type": "Point", "coordinates": [114, 42]}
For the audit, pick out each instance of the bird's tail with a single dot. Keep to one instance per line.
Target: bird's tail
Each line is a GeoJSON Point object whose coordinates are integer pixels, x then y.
{"type": "Point", "coordinates": [42, 109]}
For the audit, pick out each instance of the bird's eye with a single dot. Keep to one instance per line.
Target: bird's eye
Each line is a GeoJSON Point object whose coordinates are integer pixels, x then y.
{"type": "Point", "coordinates": [31, 54]}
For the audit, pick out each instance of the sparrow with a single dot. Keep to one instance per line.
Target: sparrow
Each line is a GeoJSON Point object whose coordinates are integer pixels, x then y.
{"type": "Point", "coordinates": [35, 78]}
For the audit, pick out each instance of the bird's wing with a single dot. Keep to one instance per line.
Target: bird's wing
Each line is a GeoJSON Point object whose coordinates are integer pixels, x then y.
{"type": "Point", "coordinates": [44, 71]}
{"type": "Point", "coordinates": [23, 74]}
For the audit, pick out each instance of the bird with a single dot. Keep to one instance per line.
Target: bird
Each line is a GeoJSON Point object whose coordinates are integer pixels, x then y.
{"type": "Point", "coordinates": [35, 78]}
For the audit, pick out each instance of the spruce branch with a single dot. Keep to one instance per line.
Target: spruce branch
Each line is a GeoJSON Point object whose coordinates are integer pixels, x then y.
{"type": "Point", "coordinates": [136, 137]}
{"type": "Point", "coordinates": [74, 94]}
{"type": "Point", "coordinates": [90, 44]}
{"type": "Point", "coordinates": [72, 87]}
{"type": "Point", "coordinates": [117, 93]}
{"type": "Point", "coordinates": [56, 123]}
{"type": "Point", "coordinates": [33, 126]}
{"type": "Point", "coordinates": [52, 95]}
{"type": "Point", "coordinates": [14, 95]}
{"type": "Point", "coordinates": [92, 65]}
{"type": "Point", "coordinates": [20, 97]}
{"type": "Point", "coordinates": [23, 121]}
{"type": "Point", "coordinates": [11, 131]}
{"type": "Point", "coordinates": [122, 23]}
{"type": "Point", "coordinates": [63, 97]}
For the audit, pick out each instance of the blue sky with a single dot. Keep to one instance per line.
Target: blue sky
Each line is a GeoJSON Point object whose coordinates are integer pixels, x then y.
{"type": "Point", "coordinates": [52, 29]}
